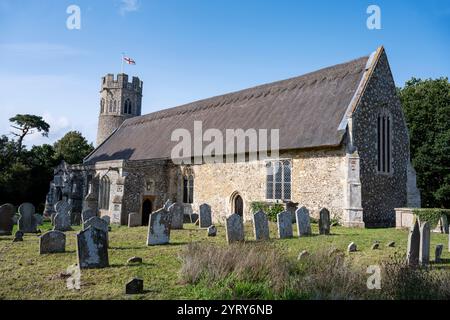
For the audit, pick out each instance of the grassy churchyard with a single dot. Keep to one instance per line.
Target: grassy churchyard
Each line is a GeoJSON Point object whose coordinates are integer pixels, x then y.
{"type": "Point", "coordinates": [169, 271]}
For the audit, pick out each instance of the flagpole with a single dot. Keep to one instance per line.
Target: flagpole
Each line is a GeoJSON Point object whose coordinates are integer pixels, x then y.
{"type": "Point", "coordinates": [123, 57]}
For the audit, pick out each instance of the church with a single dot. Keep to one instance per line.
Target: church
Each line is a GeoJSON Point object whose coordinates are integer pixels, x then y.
{"type": "Point", "coordinates": [342, 144]}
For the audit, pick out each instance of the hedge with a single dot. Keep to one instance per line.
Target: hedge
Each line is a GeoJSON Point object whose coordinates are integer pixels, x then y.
{"type": "Point", "coordinates": [431, 215]}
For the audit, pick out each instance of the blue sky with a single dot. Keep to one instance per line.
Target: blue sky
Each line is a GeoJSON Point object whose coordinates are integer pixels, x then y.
{"type": "Point", "coordinates": [192, 49]}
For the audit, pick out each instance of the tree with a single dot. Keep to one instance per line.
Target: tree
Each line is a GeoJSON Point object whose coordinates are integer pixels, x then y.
{"type": "Point", "coordinates": [72, 148]}
{"type": "Point", "coordinates": [28, 124]}
{"type": "Point", "coordinates": [426, 105]}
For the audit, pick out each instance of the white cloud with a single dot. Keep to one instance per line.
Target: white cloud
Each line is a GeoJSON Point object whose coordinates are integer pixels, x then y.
{"type": "Point", "coordinates": [59, 125]}
{"type": "Point", "coordinates": [128, 6]}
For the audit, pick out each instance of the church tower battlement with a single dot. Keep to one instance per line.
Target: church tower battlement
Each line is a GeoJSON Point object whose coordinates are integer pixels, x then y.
{"type": "Point", "coordinates": [119, 100]}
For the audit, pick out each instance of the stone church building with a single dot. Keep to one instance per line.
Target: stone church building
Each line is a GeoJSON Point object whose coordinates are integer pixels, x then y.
{"type": "Point", "coordinates": [343, 145]}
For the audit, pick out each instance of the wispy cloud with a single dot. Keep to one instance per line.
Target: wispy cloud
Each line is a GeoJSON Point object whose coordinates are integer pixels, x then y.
{"type": "Point", "coordinates": [40, 49]}
{"type": "Point", "coordinates": [128, 6]}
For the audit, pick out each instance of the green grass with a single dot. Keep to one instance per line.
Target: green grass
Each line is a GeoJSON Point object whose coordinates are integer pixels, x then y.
{"type": "Point", "coordinates": [24, 274]}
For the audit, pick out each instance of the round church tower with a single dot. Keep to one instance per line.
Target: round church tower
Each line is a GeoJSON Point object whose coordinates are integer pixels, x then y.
{"type": "Point", "coordinates": [120, 100]}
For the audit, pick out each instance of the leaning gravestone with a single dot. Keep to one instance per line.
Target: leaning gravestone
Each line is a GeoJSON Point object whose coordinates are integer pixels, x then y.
{"type": "Point", "coordinates": [303, 222]}
{"type": "Point", "coordinates": [260, 226]}
{"type": "Point", "coordinates": [62, 221]}
{"type": "Point", "coordinates": [412, 254]}
{"type": "Point", "coordinates": [92, 249]}
{"type": "Point", "coordinates": [159, 228]}
{"type": "Point", "coordinates": [284, 222]}
{"type": "Point", "coordinates": [324, 222]}
{"type": "Point", "coordinates": [7, 212]}
{"type": "Point", "coordinates": [205, 216]}
{"type": "Point", "coordinates": [134, 286]}
{"type": "Point", "coordinates": [234, 228]}
{"type": "Point", "coordinates": [424, 249]}
{"type": "Point", "coordinates": [134, 220]}
{"type": "Point", "coordinates": [52, 242]}
{"type": "Point", "coordinates": [87, 214]}
{"type": "Point", "coordinates": [27, 222]}
{"type": "Point", "coordinates": [176, 211]}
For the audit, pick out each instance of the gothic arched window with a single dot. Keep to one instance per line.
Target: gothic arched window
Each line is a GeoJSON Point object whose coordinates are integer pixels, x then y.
{"type": "Point", "coordinates": [127, 107]}
{"type": "Point", "coordinates": [188, 189]}
{"type": "Point", "coordinates": [104, 196]}
{"type": "Point", "coordinates": [279, 180]}
{"type": "Point", "coordinates": [102, 106]}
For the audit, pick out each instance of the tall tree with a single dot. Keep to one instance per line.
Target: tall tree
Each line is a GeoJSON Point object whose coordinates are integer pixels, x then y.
{"type": "Point", "coordinates": [72, 148]}
{"type": "Point", "coordinates": [28, 124]}
{"type": "Point", "coordinates": [426, 104]}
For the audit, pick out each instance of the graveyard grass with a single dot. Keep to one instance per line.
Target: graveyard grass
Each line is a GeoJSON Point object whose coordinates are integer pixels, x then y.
{"type": "Point", "coordinates": [24, 274]}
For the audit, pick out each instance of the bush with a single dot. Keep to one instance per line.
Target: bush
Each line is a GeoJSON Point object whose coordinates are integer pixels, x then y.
{"type": "Point", "coordinates": [271, 209]}
{"type": "Point", "coordinates": [432, 216]}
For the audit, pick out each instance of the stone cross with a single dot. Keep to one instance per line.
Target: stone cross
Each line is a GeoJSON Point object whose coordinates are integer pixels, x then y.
{"type": "Point", "coordinates": [159, 228]}
{"type": "Point", "coordinates": [7, 212]}
{"type": "Point", "coordinates": [176, 211]}
{"type": "Point", "coordinates": [205, 216]}
{"type": "Point", "coordinates": [92, 249]}
{"type": "Point", "coordinates": [52, 242]}
{"type": "Point", "coordinates": [303, 222]}
{"type": "Point", "coordinates": [284, 222]}
{"type": "Point", "coordinates": [27, 222]}
{"type": "Point", "coordinates": [324, 221]}
{"type": "Point", "coordinates": [412, 254]}
{"type": "Point", "coordinates": [87, 214]}
{"type": "Point", "coordinates": [260, 226]}
{"type": "Point", "coordinates": [424, 248]}
{"type": "Point", "coordinates": [234, 228]}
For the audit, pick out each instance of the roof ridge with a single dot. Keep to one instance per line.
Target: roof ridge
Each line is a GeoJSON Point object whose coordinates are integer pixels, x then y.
{"type": "Point", "coordinates": [255, 92]}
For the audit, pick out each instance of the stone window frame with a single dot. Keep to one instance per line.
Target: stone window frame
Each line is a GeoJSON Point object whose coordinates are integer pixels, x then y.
{"type": "Point", "coordinates": [384, 157]}
{"type": "Point", "coordinates": [281, 164]}
{"type": "Point", "coordinates": [188, 188]}
{"type": "Point", "coordinates": [102, 105]}
{"type": "Point", "coordinates": [128, 106]}
{"type": "Point", "coordinates": [105, 193]}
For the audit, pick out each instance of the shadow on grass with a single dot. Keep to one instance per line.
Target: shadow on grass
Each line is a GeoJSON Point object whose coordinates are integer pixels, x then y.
{"type": "Point", "coordinates": [143, 264]}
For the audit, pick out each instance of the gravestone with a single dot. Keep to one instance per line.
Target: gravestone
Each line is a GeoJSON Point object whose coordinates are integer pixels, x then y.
{"type": "Point", "coordinates": [352, 247]}
{"type": "Point", "coordinates": [87, 214]}
{"type": "Point", "coordinates": [62, 221]}
{"type": "Point", "coordinates": [52, 242]}
{"type": "Point", "coordinates": [134, 260]}
{"type": "Point", "coordinates": [391, 244]}
{"type": "Point", "coordinates": [134, 286]}
{"type": "Point", "coordinates": [205, 216]}
{"type": "Point", "coordinates": [96, 222]}
{"type": "Point", "coordinates": [75, 218]}
{"type": "Point", "coordinates": [39, 219]}
{"type": "Point", "coordinates": [260, 226]}
{"type": "Point", "coordinates": [18, 236]}
{"type": "Point", "coordinates": [234, 228]}
{"type": "Point", "coordinates": [212, 231]}
{"type": "Point", "coordinates": [92, 249]}
{"type": "Point", "coordinates": [303, 222]}
{"type": "Point", "coordinates": [412, 254]}
{"type": "Point", "coordinates": [134, 220]}
{"type": "Point", "coordinates": [424, 249]}
{"type": "Point", "coordinates": [176, 211]}
{"type": "Point", "coordinates": [438, 253]}
{"type": "Point", "coordinates": [443, 224]}
{"type": "Point", "coordinates": [376, 246]}
{"type": "Point", "coordinates": [107, 219]}
{"type": "Point", "coordinates": [7, 212]}
{"type": "Point", "coordinates": [324, 222]}
{"type": "Point", "coordinates": [159, 228]}
{"type": "Point", "coordinates": [27, 221]}
{"type": "Point", "coordinates": [284, 223]}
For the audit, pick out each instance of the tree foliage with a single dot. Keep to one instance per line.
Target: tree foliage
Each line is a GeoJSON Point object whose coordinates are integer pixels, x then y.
{"type": "Point", "coordinates": [426, 104]}
{"type": "Point", "coordinates": [27, 124]}
{"type": "Point", "coordinates": [72, 148]}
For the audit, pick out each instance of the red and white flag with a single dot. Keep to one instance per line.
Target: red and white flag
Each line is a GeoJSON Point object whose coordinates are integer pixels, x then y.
{"type": "Point", "coordinates": [128, 60]}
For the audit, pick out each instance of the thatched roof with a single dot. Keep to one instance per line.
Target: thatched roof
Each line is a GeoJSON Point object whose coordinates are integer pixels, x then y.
{"type": "Point", "coordinates": [306, 109]}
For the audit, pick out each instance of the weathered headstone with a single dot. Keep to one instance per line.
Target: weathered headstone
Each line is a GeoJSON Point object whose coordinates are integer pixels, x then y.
{"type": "Point", "coordinates": [96, 222]}
{"type": "Point", "coordinates": [212, 231]}
{"type": "Point", "coordinates": [92, 248]}
{"type": "Point", "coordinates": [443, 223]}
{"type": "Point", "coordinates": [134, 286]}
{"type": "Point", "coordinates": [260, 226]}
{"type": "Point", "coordinates": [303, 222]}
{"type": "Point", "coordinates": [176, 211]}
{"type": "Point", "coordinates": [424, 249]}
{"type": "Point", "coordinates": [18, 236]}
{"type": "Point", "coordinates": [234, 228]}
{"type": "Point", "coordinates": [52, 242]}
{"type": "Point", "coordinates": [87, 214]}
{"type": "Point", "coordinates": [62, 221]}
{"type": "Point", "coordinates": [284, 223]}
{"type": "Point", "coordinates": [107, 219]}
{"type": "Point", "coordinates": [27, 221]}
{"type": "Point", "coordinates": [7, 212]}
{"type": "Point", "coordinates": [134, 220]}
{"type": "Point", "coordinates": [352, 247]}
{"type": "Point", "coordinates": [134, 260]}
{"type": "Point", "coordinates": [412, 254]}
{"type": "Point", "coordinates": [159, 228]}
{"type": "Point", "coordinates": [205, 216]}
{"type": "Point", "coordinates": [438, 253]}
{"type": "Point", "coordinates": [324, 221]}
{"type": "Point", "coordinates": [75, 218]}
{"type": "Point", "coordinates": [376, 246]}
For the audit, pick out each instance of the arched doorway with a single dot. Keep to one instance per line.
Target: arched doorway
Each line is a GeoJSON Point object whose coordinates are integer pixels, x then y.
{"type": "Point", "coordinates": [147, 207]}
{"type": "Point", "coordinates": [238, 205]}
